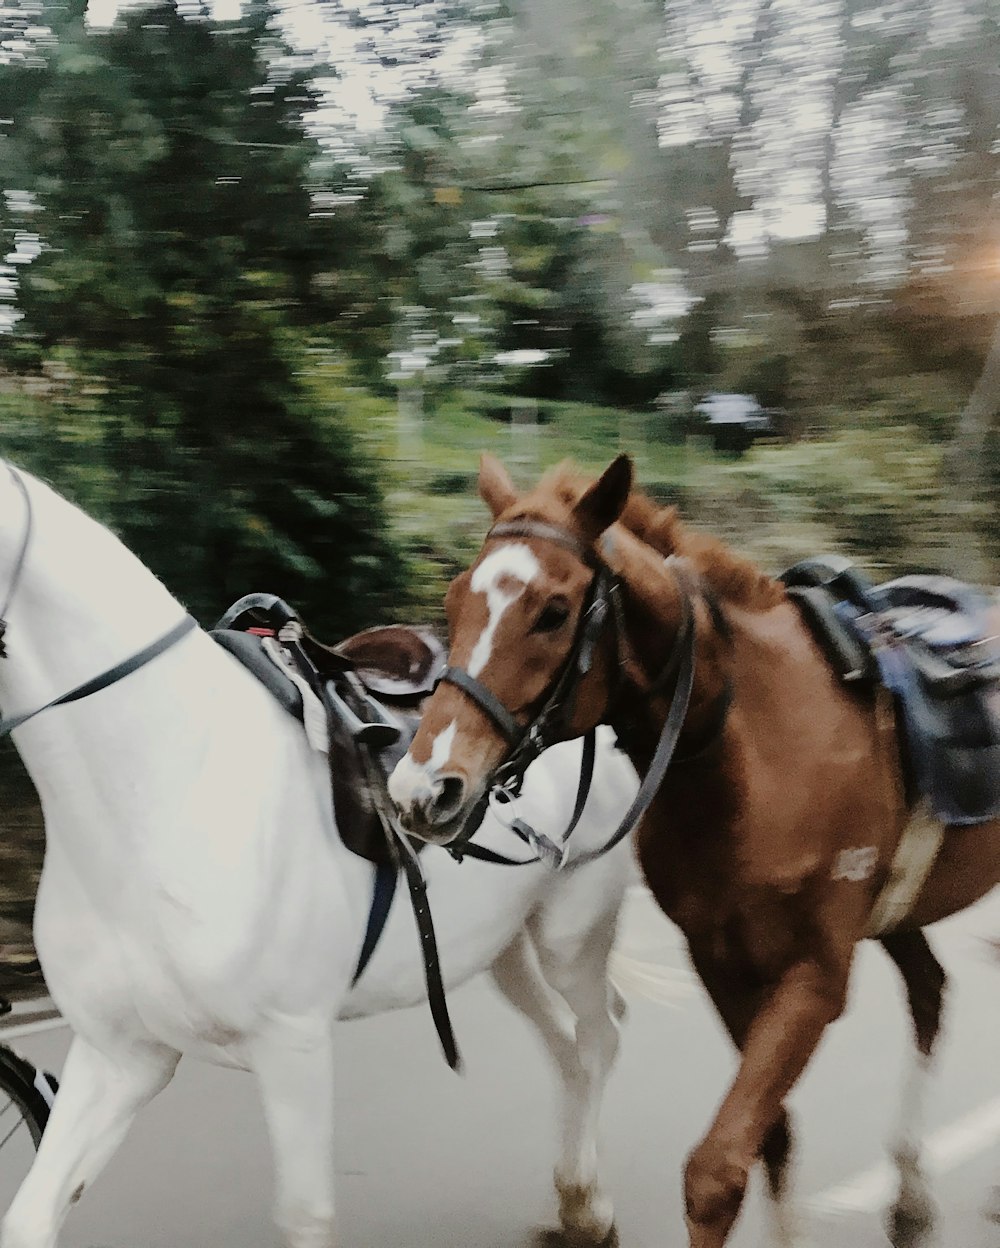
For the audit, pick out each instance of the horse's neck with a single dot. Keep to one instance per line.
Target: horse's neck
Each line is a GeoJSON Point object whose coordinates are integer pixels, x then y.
{"type": "Point", "coordinates": [656, 591]}
{"type": "Point", "coordinates": [81, 604]}
{"type": "Point", "coordinates": [81, 600]}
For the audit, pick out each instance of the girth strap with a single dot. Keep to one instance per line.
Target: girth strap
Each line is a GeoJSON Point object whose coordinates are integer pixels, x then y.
{"type": "Point", "coordinates": [383, 891]}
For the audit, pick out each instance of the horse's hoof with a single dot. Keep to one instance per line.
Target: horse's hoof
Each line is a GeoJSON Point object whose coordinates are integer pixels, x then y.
{"type": "Point", "coordinates": [562, 1237]}
{"type": "Point", "coordinates": [910, 1226]}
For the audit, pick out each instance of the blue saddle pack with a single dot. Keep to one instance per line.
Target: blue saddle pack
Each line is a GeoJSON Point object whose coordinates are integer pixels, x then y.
{"type": "Point", "coordinates": [930, 641]}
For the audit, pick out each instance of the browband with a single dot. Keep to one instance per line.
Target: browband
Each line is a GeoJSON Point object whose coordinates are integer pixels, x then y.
{"type": "Point", "coordinates": [548, 533]}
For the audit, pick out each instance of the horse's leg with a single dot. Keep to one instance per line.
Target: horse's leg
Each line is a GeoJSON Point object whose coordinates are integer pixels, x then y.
{"type": "Point", "coordinates": [782, 1036]}
{"type": "Point", "coordinates": [541, 975]}
{"type": "Point", "coordinates": [99, 1095]}
{"type": "Point", "coordinates": [924, 978]}
{"type": "Point", "coordinates": [294, 1069]}
{"type": "Point", "coordinates": [575, 964]}
{"type": "Point", "coordinates": [737, 999]}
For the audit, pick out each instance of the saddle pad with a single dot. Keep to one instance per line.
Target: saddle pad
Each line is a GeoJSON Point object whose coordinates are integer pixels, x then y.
{"type": "Point", "coordinates": [357, 821]}
{"type": "Point", "coordinates": [943, 613]}
{"type": "Point", "coordinates": [246, 647]}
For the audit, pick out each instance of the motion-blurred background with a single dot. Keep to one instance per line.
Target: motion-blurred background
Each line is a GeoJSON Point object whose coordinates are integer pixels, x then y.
{"type": "Point", "coordinates": [274, 273]}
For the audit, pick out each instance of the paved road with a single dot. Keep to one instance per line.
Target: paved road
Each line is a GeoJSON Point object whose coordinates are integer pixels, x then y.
{"type": "Point", "coordinates": [428, 1160]}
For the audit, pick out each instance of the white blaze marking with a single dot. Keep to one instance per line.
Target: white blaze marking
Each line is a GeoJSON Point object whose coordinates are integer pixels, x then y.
{"type": "Point", "coordinates": [441, 749]}
{"type": "Point", "coordinates": [516, 562]}
{"type": "Point", "coordinates": [410, 781]}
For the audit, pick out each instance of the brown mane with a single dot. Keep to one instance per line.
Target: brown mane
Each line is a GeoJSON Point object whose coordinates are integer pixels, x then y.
{"type": "Point", "coordinates": [733, 577]}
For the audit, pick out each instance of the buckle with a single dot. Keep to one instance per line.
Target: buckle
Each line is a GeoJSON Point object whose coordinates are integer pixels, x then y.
{"type": "Point", "coordinates": [501, 798]}
{"type": "Point", "coordinates": [546, 849]}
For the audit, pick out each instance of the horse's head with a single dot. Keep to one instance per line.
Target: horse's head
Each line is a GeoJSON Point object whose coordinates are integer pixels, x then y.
{"type": "Point", "coordinates": [525, 641]}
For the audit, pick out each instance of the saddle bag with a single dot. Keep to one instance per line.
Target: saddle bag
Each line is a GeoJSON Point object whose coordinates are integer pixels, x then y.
{"type": "Point", "coordinates": [932, 642]}
{"type": "Point", "coordinates": [943, 663]}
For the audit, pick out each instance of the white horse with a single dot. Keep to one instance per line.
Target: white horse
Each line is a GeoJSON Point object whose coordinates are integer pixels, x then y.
{"type": "Point", "coordinates": [196, 897]}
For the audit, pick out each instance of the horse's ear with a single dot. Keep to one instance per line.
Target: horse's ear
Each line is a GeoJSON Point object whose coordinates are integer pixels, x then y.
{"type": "Point", "coordinates": [605, 501]}
{"type": "Point", "coordinates": [495, 486]}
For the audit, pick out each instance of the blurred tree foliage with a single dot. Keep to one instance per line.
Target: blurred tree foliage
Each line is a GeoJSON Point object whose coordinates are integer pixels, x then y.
{"type": "Point", "coordinates": [597, 203]}
{"type": "Point", "coordinates": [215, 276]}
{"type": "Point", "coordinates": [164, 165]}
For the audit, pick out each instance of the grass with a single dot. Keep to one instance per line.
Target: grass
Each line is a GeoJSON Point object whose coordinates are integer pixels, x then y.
{"type": "Point", "coordinates": [873, 494]}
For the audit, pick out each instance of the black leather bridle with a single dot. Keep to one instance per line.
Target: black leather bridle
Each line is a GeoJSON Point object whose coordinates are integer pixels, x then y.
{"type": "Point", "coordinates": [603, 609]}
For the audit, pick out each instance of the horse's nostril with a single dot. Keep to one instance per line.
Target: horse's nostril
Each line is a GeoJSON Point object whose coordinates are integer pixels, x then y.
{"type": "Point", "coordinates": [448, 802]}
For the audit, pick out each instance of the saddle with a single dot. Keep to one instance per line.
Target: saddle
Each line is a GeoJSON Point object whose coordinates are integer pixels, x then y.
{"type": "Point", "coordinates": [398, 663]}
{"type": "Point", "coordinates": [364, 736]}
{"type": "Point", "coordinates": [931, 641]}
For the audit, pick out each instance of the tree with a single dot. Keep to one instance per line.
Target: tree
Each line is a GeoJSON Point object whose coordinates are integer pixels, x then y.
{"type": "Point", "coordinates": [164, 165]}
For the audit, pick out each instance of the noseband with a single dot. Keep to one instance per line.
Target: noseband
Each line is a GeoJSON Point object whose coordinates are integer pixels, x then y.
{"type": "Point", "coordinates": [603, 609]}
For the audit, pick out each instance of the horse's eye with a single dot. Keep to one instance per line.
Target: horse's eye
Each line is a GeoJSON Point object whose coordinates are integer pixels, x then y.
{"type": "Point", "coordinates": [553, 616]}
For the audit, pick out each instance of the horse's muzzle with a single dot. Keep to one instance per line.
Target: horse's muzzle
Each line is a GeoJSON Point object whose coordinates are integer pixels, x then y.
{"type": "Point", "coordinates": [431, 808]}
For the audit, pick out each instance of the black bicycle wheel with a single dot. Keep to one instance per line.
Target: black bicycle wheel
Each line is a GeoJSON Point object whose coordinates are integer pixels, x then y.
{"type": "Point", "coordinates": [25, 1099]}
{"type": "Point", "coordinates": [26, 1096]}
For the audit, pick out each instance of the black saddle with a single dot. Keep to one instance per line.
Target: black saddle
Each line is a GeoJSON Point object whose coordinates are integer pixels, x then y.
{"type": "Point", "coordinates": [931, 641]}
{"type": "Point", "coordinates": [368, 735]}
{"type": "Point", "coordinates": [398, 663]}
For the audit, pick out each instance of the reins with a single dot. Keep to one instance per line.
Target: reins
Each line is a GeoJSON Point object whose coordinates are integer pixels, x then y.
{"type": "Point", "coordinates": [96, 683]}
{"type": "Point", "coordinates": [603, 610]}
{"type": "Point", "coordinates": [107, 678]}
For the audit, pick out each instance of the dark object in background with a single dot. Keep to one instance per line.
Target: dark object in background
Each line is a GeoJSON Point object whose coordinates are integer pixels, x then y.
{"type": "Point", "coordinates": [734, 420]}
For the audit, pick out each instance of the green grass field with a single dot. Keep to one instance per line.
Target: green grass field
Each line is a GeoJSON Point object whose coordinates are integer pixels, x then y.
{"type": "Point", "coordinates": [872, 494]}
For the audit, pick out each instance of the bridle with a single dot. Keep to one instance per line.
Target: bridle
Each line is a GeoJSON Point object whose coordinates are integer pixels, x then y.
{"type": "Point", "coordinates": [109, 677]}
{"type": "Point", "coordinates": [603, 610]}
{"type": "Point", "coordinates": [528, 741]}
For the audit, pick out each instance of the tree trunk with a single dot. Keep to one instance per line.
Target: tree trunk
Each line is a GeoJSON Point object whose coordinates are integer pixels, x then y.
{"type": "Point", "coordinates": [971, 474]}
{"type": "Point", "coordinates": [977, 420]}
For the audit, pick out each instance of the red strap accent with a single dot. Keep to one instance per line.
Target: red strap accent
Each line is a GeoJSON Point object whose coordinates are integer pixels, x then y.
{"type": "Point", "coordinates": [262, 632]}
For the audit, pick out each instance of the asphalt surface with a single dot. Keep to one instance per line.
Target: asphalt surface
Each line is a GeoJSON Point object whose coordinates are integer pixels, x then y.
{"type": "Point", "coordinates": [430, 1160]}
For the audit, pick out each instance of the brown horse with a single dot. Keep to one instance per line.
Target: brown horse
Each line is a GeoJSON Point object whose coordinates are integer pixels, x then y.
{"type": "Point", "coordinates": [776, 826]}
